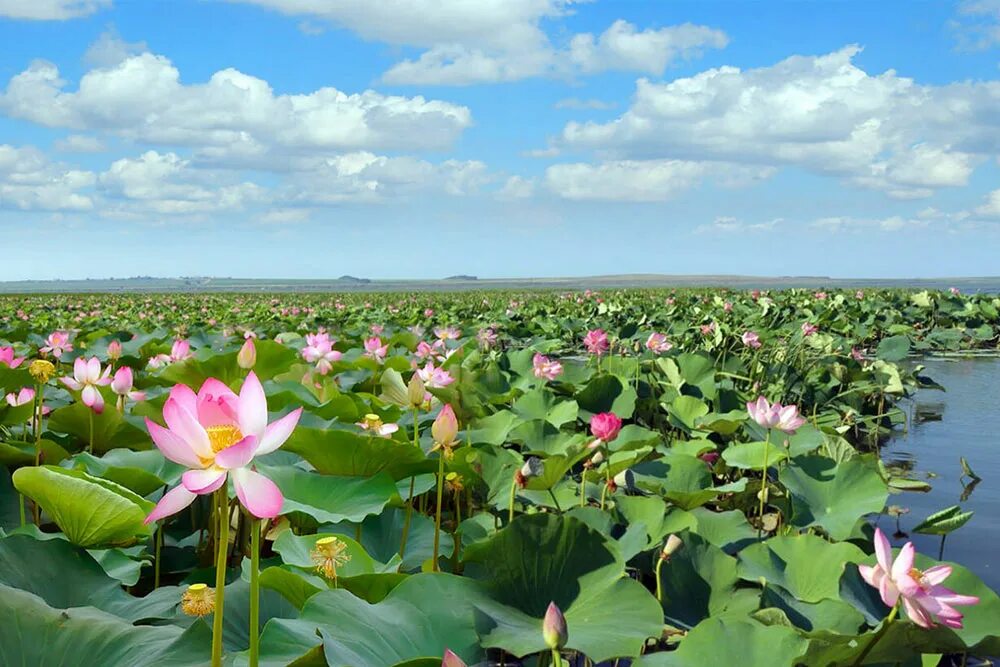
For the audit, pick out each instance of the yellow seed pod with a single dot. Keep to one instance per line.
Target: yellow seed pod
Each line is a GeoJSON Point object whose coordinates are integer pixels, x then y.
{"type": "Point", "coordinates": [198, 600]}
{"type": "Point", "coordinates": [41, 370]}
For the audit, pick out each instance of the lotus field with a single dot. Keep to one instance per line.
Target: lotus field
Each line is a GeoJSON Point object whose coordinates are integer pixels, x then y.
{"type": "Point", "coordinates": [654, 478]}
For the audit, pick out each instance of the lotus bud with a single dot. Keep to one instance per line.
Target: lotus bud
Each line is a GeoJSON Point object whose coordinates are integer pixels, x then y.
{"type": "Point", "coordinates": [445, 427]}
{"type": "Point", "coordinates": [198, 600]}
{"type": "Point", "coordinates": [605, 426]}
{"type": "Point", "coordinates": [122, 382]}
{"type": "Point", "coordinates": [533, 467]}
{"type": "Point", "coordinates": [247, 356]}
{"type": "Point", "coordinates": [41, 370]}
{"type": "Point", "coordinates": [673, 544]}
{"type": "Point", "coordinates": [554, 628]}
{"type": "Point", "coordinates": [114, 350]}
{"type": "Point", "coordinates": [415, 391]}
{"type": "Point", "coordinates": [452, 660]}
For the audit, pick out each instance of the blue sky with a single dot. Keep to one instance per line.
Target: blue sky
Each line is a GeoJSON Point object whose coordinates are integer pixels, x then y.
{"type": "Point", "coordinates": [501, 138]}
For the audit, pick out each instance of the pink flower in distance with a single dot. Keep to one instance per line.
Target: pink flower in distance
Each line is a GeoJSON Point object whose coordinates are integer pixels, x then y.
{"type": "Point", "coordinates": [215, 433]}
{"type": "Point", "coordinates": [924, 598]}
{"type": "Point", "coordinates": [785, 418]}
{"type": "Point", "coordinates": [708, 329]}
{"type": "Point", "coordinates": [319, 350]}
{"type": "Point", "coordinates": [434, 377]}
{"type": "Point", "coordinates": [605, 426]}
{"type": "Point", "coordinates": [487, 338]}
{"type": "Point", "coordinates": [87, 377]}
{"type": "Point", "coordinates": [114, 349]}
{"type": "Point", "coordinates": [596, 342]}
{"type": "Point", "coordinates": [121, 384]}
{"type": "Point", "coordinates": [751, 339]}
{"type": "Point", "coordinates": [448, 333]}
{"type": "Point", "coordinates": [180, 350]}
{"type": "Point", "coordinates": [728, 306]}
{"type": "Point", "coordinates": [808, 329]}
{"type": "Point", "coordinates": [820, 296]}
{"type": "Point", "coordinates": [857, 354]}
{"type": "Point", "coordinates": [658, 343]}
{"type": "Point", "coordinates": [57, 343]}
{"type": "Point", "coordinates": [860, 294]}
{"type": "Point", "coordinates": [374, 349]}
{"type": "Point", "coordinates": [23, 397]}
{"type": "Point", "coordinates": [954, 290]}
{"type": "Point", "coordinates": [545, 368]}
{"type": "Point", "coordinates": [8, 359]}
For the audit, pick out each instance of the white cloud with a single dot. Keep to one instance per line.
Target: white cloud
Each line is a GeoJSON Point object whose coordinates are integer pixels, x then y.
{"type": "Point", "coordinates": [29, 181]}
{"type": "Point", "coordinates": [893, 223]}
{"type": "Point", "coordinates": [489, 41]}
{"type": "Point", "coordinates": [110, 49]}
{"type": "Point", "coordinates": [625, 48]}
{"type": "Point", "coordinates": [517, 187]}
{"type": "Point", "coordinates": [577, 103]}
{"type": "Point", "coordinates": [731, 225]}
{"type": "Point", "coordinates": [80, 143]}
{"type": "Point", "coordinates": [50, 10]}
{"type": "Point", "coordinates": [142, 98]}
{"type": "Point", "coordinates": [991, 207]}
{"type": "Point", "coordinates": [978, 24]}
{"type": "Point", "coordinates": [823, 114]}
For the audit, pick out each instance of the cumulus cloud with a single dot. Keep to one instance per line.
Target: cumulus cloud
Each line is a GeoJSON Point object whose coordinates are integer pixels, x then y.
{"type": "Point", "coordinates": [492, 41]}
{"type": "Point", "coordinates": [29, 181]}
{"type": "Point", "coordinates": [991, 206]}
{"type": "Point", "coordinates": [820, 113]}
{"type": "Point", "coordinates": [50, 10]}
{"type": "Point", "coordinates": [517, 187]}
{"type": "Point", "coordinates": [110, 49]}
{"type": "Point", "coordinates": [142, 98]}
{"type": "Point", "coordinates": [577, 103]}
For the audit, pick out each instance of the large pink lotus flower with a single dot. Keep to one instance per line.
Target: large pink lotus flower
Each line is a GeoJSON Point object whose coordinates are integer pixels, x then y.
{"type": "Point", "coordinates": [751, 339]}
{"type": "Point", "coordinates": [434, 377]}
{"type": "Point", "coordinates": [924, 598]}
{"type": "Point", "coordinates": [8, 359]}
{"type": "Point", "coordinates": [596, 342]}
{"type": "Point", "coordinates": [545, 368]}
{"type": "Point", "coordinates": [214, 433]}
{"type": "Point", "coordinates": [785, 418]}
{"type": "Point", "coordinates": [605, 426]}
{"type": "Point", "coordinates": [87, 377]}
{"type": "Point", "coordinates": [658, 343]}
{"type": "Point", "coordinates": [375, 349]}
{"type": "Point", "coordinates": [319, 350]}
{"type": "Point", "coordinates": [435, 350]}
{"type": "Point", "coordinates": [57, 343]}
{"type": "Point", "coordinates": [23, 397]}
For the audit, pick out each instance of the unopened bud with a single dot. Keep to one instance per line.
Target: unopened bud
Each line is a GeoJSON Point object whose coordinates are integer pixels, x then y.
{"type": "Point", "coordinates": [247, 356]}
{"type": "Point", "coordinates": [670, 548]}
{"type": "Point", "coordinates": [415, 391]}
{"type": "Point", "coordinates": [114, 350]}
{"type": "Point", "coordinates": [554, 630]}
{"type": "Point", "coordinates": [445, 426]}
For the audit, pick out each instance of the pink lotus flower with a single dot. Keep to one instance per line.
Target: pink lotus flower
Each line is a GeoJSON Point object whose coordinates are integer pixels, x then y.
{"type": "Point", "coordinates": [605, 426]}
{"type": "Point", "coordinates": [180, 350]}
{"type": "Point", "coordinates": [246, 358]}
{"type": "Point", "coordinates": [751, 339]}
{"type": "Point", "coordinates": [924, 598]}
{"type": "Point", "coordinates": [374, 349]}
{"type": "Point", "coordinates": [727, 306]}
{"type": "Point", "coordinates": [23, 397]}
{"type": "Point", "coordinates": [57, 343]}
{"type": "Point", "coordinates": [658, 343]}
{"type": "Point", "coordinates": [445, 427]}
{"type": "Point", "coordinates": [809, 329]}
{"type": "Point", "coordinates": [755, 294]}
{"type": "Point", "coordinates": [785, 418]}
{"type": "Point", "coordinates": [857, 355]}
{"type": "Point", "coordinates": [8, 359]}
{"type": "Point", "coordinates": [448, 333]}
{"type": "Point", "coordinates": [435, 351]}
{"type": "Point", "coordinates": [215, 433]}
{"type": "Point", "coordinates": [87, 377]}
{"type": "Point", "coordinates": [545, 368]}
{"type": "Point", "coordinates": [377, 329]}
{"type": "Point", "coordinates": [428, 312]}
{"type": "Point", "coordinates": [450, 659]}
{"type": "Point", "coordinates": [487, 338]}
{"type": "Point", "coordinates": [122, 385]}
{"type": "Point", "coordinates": [596, 342]}
{"type": "Point", "coordinates": [434, 377]}
{"type": "Point", "coordinates": [954, 291]}
{"type": "Point", "coordinates": [820, 296]}
{"type": "Point", "coordinates": [319, 350]}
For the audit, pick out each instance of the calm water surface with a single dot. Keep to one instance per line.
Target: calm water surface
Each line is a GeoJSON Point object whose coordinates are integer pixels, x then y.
{"type": "Point", "coordinates": [969, 426]}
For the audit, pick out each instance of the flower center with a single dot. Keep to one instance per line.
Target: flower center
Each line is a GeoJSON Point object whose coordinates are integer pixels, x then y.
{"type": "Point", "coordinates": [918, 577]}
{"type": "Point", "coordinates": [223, 436]}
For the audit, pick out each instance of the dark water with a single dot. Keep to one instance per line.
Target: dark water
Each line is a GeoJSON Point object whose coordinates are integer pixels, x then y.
{"type": "Point", "coordinates": [969, 426]}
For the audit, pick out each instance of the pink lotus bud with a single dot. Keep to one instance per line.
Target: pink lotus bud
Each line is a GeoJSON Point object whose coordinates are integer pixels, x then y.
{"type": "Point", "coordinates": [605, 426]}
{"type": "Point", "coordinates": [114, 350]}
{"type": "Point", "coordinates": [247, 356]}
{"type": "Point", "coordinates": [415, 391]}
{"type": "Point", "coordinates": [122, 382]}
{"type": "Point", "coordinates": [451, 660]}
{"type": "Point", "coordinates": [554, 630]}
{"type": "Point", "coordinates": [445, 427]}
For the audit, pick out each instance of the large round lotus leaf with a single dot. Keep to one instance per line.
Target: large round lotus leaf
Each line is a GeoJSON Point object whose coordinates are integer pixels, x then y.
{"type": "Point", "coordinates": [545, 558]}
{"type": "Point", "coordinates": [607, 393]}
{"type": "Point", "coordinates": [110, 429]}
{"type": "Point", "coordinates": [142, 472]}
{"type": "Point", "coordinates": [272, 359]}
{"type": "Point", "coordinates": [331, 499]}
{"type": "Point", "coordinates": [806, 566]}
{"type": "Point", "coordinates": [419, 619]}
{"type": "Point", "coordinates": [683, 479]}
{"type": "Point", "coordinates": [543, 405]}
{"type": "Point", "coordinates": [831, 615]}
{"type": "Point", "coordinates": [338, 452]}
{"type": "Point", "coordinates": [91, 511]}
{"type": "Point", "coordinates": [381, 536]}
{"type": "Point", "coordinates": [833, 495]}
{"type": "Point", "coordinates": [753, 455]}
{"type": "Point", "coordinates": [43, 636]}
{"type": "Point", "coordinates": [733, 641]}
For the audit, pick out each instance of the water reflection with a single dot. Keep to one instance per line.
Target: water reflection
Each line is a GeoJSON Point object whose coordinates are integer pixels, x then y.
{"type": "Point", "coordinates": [953, 443]}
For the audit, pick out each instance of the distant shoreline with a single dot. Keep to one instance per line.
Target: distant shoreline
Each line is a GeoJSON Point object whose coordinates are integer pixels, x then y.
{"type": "Point", "coordinates": [468, 283]}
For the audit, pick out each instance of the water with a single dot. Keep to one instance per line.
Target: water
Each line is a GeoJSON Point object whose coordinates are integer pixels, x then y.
{"type": "Point", "coordinates": [969, 426]}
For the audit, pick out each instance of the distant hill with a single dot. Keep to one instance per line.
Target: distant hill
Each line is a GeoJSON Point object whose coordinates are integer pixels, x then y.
{"type": "Point", "coordinates": [354, 280]}
{"type": "Point", "coordinates": [462, 277]}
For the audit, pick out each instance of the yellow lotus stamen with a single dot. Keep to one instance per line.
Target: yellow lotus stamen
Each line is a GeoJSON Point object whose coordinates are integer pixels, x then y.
{"type": "Point", "coordinates": [373, 422]}
{"type": "Point", "coordinates": [198, 600]}
{"type": "Point", "coordinates": [328, 555]}
{"type": "Point", "coordinates": [223, 436]}
{"type": "Point", "coordinates": [41, 370]}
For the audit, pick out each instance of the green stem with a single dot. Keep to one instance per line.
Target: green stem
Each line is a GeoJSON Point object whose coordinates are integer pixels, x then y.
{"type": "Point", "coordinates": [409, 501]}
{"type": "Point", "coordinates": [156, 561]}
{"type": "Point", "coordinates": [878, 636]}
{"type": "Point", "coordinates": [659, 582]}
{"type": "Point", "coordinates": [555, 500]}
{"type": "Point", "coordinates": [254, 591]}
{"type": "Point", "coordinates": [513, 499]}
{"type": "Point", "coordinates": [763, 483]}
{"type": "Point", "coordinates": [90, 424]}
{"type": "Point", "coordinates": [604, 494]}
{"type": "Point", "coordinates": [437, 516]}
{"type": "Point", "coordinates": [222, 547]}
{"type": "Point", "coordinates": [556, 659]}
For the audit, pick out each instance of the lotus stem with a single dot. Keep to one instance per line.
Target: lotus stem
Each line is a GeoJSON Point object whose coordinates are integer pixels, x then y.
{"type": "Point", "coordinates": [556, 658]}
{"type": "Point", "coordinates": [90, 427]}
{"type": "Point", "coordinates": [437, 515]}
{"type": "Point", "coordinates": [513, 499]}
{"type": "Point", "coordinates": [158, 546]}
{"type": "Point", "coordinates": [878, 636]}
{"type": "Point", "coordinates": [763, 483]}
{"type": "Point", "coordinates": [222, 546]}
{"type": "Point", "coordinates": [254, 591]}
{"type": "Point", "coordinates": [409, 500]}
{"type": "Point", "coordinates": [659, 581]}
